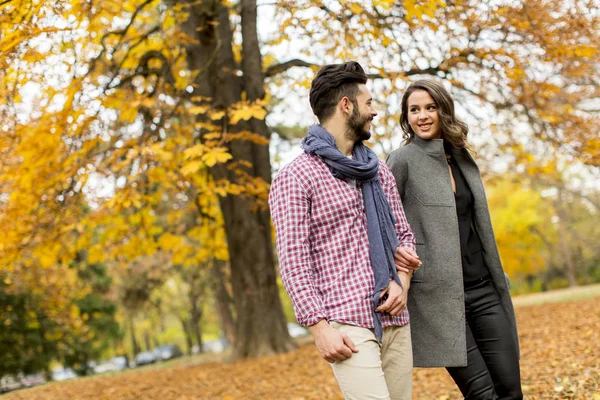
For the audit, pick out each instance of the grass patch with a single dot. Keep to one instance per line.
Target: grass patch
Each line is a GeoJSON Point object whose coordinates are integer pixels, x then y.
{"type": "Point", "coordinates": [558, 296]}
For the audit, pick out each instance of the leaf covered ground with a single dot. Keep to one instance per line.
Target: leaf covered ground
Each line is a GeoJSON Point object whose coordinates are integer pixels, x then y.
{"type": "Point", "coordinates": [560, 359]}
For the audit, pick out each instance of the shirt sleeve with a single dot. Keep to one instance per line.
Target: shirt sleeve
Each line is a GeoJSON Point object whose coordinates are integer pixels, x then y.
{"type": "Point", "coordinates": [290, 211]}
{"type": "Point", "coordinates": [403, 230]}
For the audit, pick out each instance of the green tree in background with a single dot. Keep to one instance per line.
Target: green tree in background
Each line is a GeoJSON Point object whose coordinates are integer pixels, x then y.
{"type": "Point", "coordinates": [98, 311]}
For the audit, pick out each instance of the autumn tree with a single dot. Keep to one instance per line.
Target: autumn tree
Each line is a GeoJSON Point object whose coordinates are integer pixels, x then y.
{"type": "Point", "coordinates": [144, 131]}
{"type": "Point", "coordinates": [525, 73]}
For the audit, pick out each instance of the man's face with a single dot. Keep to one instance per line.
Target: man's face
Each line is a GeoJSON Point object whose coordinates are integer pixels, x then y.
{"type": "Point", "coordinates": [359, 122]}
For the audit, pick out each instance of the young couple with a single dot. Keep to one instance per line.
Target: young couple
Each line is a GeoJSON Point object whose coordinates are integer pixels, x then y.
{"type": "Point", "coordinates": [361, 244]}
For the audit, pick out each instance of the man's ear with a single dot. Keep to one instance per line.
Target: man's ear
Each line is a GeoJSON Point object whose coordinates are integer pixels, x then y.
{"type": "Point", "coordinates": [346, 105]}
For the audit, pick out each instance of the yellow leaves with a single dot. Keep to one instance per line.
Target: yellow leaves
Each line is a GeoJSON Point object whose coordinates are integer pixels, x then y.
{"type": "Point", "coordinates": [169, 21]}
{"type": "Point", "coordinates": [157, 150]}
{"type": "Point", "coordinates": [516, 74]}
{"type": "Point", "coordinates": [386, 41]}
{"type": "Point", "coordinates": [582, 51]}
{"type": "Point", "coordinates": [216, 155]}
{"type": "Point", "coordinates": [96, 254]}
{"type": "Point", "coordinates": [128, 114]}
{"type": "Point", "coordinates": [586, 51]}
{"type": "Point", "coordinates": [170, 242]}
{"type": "Point", "coordinates": [517, 211]}
{"type": "Point", "coordinates": [245, 110]}
{"type": "Point", "coordinates": [11, 40]}
{"type": "Point", "coordinates": [420, 8]}
{"type": "Point", "coordinates": [203, 155]}
{"type": "Point", "coordinates": [543, 169]}
{"type": "Point", "coordinates": [355, 8]}
{"type": "Point", "coordinates": [207, 110]}
{"type": "Point", "coordinates": [195, 110]}
{"type": "Point", "coordinates": [551, 118]}
{"type": "Point", "coordinates": [384, 4]}
{"type": "Point", "coordinates": [191, 167]}
{"type": "Point", "coordinates": [248, 136]}
{"type": "Point", "coordinates": [216, 115]}
{"type": "Point", "coordinates": [194, 151]}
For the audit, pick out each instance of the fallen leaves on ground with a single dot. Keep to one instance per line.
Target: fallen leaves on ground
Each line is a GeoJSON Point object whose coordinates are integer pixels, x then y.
{"type": "Point", "coordinates": [560, 351]}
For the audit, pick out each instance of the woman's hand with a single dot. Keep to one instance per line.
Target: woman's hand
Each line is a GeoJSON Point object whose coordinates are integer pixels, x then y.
{"type": "Point", "coordinates": [406, 260]}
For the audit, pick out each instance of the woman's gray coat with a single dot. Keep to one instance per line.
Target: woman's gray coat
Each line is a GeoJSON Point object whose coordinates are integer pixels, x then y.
{"type": "Point", "coordinates": [436, 295]}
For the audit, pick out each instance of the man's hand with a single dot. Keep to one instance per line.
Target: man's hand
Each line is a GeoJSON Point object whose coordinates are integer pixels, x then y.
{"type": "Point", "coordinates": [406, 260]}
{"type": "Point", "coordinates": [331, 343]}
{"type": "Point", "coordinates": [397, 296]}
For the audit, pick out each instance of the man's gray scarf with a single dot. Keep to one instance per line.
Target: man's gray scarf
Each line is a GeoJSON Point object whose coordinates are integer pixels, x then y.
{"type": "Point", "coordinates": [364, 168]}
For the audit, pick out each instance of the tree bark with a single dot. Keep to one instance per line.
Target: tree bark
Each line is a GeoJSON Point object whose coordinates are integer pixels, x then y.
{"type": "Point", "coordinates": [196, 312]}
{"type": "Point", "coordinates": [147, 341]}
{"type": "Point", "coordinates": [248, 230]}
{"type": "Point", "coordinates": [188, 337]}
{"type": "Point", "coordinates": [563, 239]}
{"type": "Point", "coordinates": [134, 343]}
{"type": "Point", "coordinates": [223, 302]}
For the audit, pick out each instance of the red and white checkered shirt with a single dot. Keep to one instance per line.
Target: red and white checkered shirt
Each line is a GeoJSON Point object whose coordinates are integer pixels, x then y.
{"type": "Point", "coordinates": [322, 242]}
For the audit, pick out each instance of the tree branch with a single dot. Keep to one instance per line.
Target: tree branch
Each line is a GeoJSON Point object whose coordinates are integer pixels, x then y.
{"type": "Point", "coordinates": [279, 68]}
{"type": "Point", "coordinates": [282, 67]}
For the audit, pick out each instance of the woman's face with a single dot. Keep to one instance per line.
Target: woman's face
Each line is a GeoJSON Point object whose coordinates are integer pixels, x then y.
{"type": "Point", "coordinates": [423, 115]}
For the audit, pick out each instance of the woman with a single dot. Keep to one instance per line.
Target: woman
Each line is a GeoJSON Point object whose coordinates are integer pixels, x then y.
{"type": "Point", "coordinates": [461, 314]}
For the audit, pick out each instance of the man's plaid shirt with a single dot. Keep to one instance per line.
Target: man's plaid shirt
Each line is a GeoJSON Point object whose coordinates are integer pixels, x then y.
{"type": "Point", "coordinates": [322, 242]}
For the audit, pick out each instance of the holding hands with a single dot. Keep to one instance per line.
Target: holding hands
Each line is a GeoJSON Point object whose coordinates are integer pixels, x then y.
{"type": "Point", "coordinates": [406, 260]}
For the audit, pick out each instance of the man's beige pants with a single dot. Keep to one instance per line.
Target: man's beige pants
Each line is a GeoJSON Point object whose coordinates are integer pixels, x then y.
{"type": "Point", "coordinates": [377, 371]}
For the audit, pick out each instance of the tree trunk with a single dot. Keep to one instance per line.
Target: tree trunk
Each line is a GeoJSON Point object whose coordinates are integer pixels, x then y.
{"type": "Point", "coordinates": [147, 341]}
{"type": "Point", "coordinates": [585, 273]}
{"type": "Point", "coordinates": [260, 327]}
{"type": "Point", "coordinates": [564, 240]}
{"type": "Point", "coordinates": [188, 337]}
{"type": "Point", "coordinates": [223, 302]}
{"type": "Point", "coordinates": [134, 343]}
{"type": "Point", "coordinates": [195, 321]}
{"type": "Point", "coordinates": [195, 317]}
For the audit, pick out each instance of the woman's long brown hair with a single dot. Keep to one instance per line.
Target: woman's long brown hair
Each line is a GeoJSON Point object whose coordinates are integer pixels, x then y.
{"type": "Point", "coordinates": [453, 129]}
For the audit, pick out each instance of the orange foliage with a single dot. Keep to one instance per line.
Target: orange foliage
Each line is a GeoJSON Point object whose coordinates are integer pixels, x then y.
{"type": "Point", "coordinates": [559, 348]}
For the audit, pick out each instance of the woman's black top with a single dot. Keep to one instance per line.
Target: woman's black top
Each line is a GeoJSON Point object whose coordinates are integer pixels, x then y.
{"type": "Point", "coordinates": [474, 267]}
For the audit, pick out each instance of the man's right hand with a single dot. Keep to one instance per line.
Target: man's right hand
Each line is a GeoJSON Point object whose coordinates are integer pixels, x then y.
{"type": "Point", "coordinates": [331, 343]}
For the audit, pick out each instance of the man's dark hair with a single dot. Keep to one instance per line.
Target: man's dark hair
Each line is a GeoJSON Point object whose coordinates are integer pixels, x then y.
{"type": "Point", "coordinates": [332, 83]}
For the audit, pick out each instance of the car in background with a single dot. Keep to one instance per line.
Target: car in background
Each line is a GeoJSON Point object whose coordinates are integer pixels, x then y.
{"type": "Point", "coordinates": [121, 362]}
{"type": "Point", "coordinates": [62, 374]}
{"type": "Point", "coordinates": [296, 330]}
{"type": "Point", "coordinates": [145, 358]}
{"type": "Point", "coordinates": [8, 383]}
{"type": "Point", "coordinates": [214, 346]}
{"type": "Point", "coordinates": [113, 365]}
{"type": "Point", "coordinates": [105, 366]}
{"type": "Point", "coordinates": [33, 380]}
{"type": "Point", "coordinates": [167, 352]}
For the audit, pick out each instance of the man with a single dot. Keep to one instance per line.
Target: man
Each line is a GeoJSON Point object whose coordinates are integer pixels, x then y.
{"type": "Point", "coordinates": [341, 236]}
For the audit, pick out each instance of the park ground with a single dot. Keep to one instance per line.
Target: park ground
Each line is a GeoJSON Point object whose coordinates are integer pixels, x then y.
{"type": "Point", "coordinates": [560, 359]}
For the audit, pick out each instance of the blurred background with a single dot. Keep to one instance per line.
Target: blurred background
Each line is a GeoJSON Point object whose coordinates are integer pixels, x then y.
{"type": "Point", "coordinates": [138, 139]}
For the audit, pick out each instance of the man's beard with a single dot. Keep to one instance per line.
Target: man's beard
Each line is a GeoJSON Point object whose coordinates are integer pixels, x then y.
{"type": "Point", "coordinates": [356, 126]}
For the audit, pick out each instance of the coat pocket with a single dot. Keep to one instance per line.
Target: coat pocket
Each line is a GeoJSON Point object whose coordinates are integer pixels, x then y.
{"type": "Point", "coordinates": [431, 197]}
